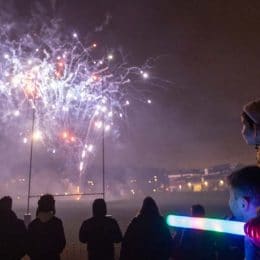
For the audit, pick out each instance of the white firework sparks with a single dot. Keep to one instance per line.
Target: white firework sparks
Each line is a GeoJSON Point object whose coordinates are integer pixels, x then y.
{"type": "Point", "coordinates": [74, 93]}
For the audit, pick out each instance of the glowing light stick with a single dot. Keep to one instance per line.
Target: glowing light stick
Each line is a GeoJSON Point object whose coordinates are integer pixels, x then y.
{"type": "Point", "coordinates": [208, 224]}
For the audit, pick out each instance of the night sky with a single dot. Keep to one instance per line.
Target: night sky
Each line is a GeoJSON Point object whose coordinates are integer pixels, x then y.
{"type": "Point", "coordinates": [207, 50]}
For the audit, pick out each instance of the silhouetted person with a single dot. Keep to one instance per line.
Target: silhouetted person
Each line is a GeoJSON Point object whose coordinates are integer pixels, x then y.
{"type": "Point", "coordinates": [46, 239]}
{"type": "Point", "coordinates": [195, 244]}
{"type": "Point", "coordinates": [147, 236]}
{"type": "Point", "coordinates": [100, 233]}
{"type": "Point", "coordinates": [198, 211]}
{"type": "Point", "coordinates": [12, 232]}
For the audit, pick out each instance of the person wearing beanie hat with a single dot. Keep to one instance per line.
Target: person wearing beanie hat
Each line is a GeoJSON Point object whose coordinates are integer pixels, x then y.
{"type": "Point", "coordinates": [252, 109]}
{"type": "Point", "coordinates": [251, 125]}
{"type": "Point", "coordinates": [147, 236]}
{"type": "Point", "coordinates": [46, 238]}
{"type": "Point", "coordinates": [46, 203]}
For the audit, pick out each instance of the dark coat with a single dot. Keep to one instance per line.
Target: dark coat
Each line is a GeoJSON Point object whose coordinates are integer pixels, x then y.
{"type": "Point", "coordinates": [147, 238]}
{"type": "Point", "coordinates": [230, 246]}
{"type": "Point", "coordinates": [12, 236]}
{"type": "Point", "coordinates": [100, 234]}
{"type": "Point", "coordinates": [194, 244]}
{"type": "Point", "coordinates": [46, 239]}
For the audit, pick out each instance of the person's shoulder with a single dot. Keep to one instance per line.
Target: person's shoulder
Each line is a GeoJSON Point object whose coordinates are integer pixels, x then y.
{"type": "Point", "coordinates": [252, 249]}
{"type": "Point", "coordinates": [9, 216]}
{"type": "Point", "coordinates": [158, 221]}
{"type": "Point", "coordinates": [20, 222]}
{"type": "Point", "coordinates": [136, 220]}
{"type": "Point", "coordinates": [88, 221]}
{"type": "Point", "coordinates": [57, 220]}
{"type": "Point", "coordinates": [161, 218]}
{"type": "Point", "coordinates": [110, 218]}
{"type": "Point", "coordinates": [33, 223]}
{"type": "Point", "coordinates": [20, 226]}
{"type": "Point", "coordinates": [153, 218]}
{"type": "Point", "coordinates": [13, 215]}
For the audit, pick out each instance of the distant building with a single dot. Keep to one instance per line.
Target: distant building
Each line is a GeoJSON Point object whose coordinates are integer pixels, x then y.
{"type": "Point", "coordinates": [196, 180]}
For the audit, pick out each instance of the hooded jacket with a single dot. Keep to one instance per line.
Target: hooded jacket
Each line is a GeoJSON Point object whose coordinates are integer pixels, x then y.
{"type": "Point", "coordinates": [12, 236]}
{"type": "Point", "coordinates": [100, 234]}
{"type": "Point", "coordinates": [147, 238]}
{"type": "Point", "coordinates": [46, 238]}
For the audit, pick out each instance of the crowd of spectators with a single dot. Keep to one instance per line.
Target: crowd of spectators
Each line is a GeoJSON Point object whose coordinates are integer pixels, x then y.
{"type": "Point", "coordinates": [146, 237]}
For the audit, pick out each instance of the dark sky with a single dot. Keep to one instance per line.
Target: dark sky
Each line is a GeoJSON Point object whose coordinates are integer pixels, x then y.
{"type": "Point", "coordinates": [209, 51]}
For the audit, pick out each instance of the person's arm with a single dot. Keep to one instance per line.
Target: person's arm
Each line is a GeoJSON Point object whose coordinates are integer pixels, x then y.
{"type": "Point", "coordinates": [83, 233]}
{"type": "Point", "coordinates": [168, 240]}
{"type": "Point", "coordinates": [61, 240]}
{"type": "Point", "coordinates": [116, 233]}
{"type": "Point", "coordinates": [128, 242]}
{"type": "Point", "coordinates": [252, 229]}
{"type": "Point", "coordinates": [30, 239]}
{"type": "Point", "coordinates": [22, 237]}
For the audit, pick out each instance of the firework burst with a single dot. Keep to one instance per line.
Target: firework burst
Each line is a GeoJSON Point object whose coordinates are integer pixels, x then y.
{"type": "Point", "coordinates": [76, 91]}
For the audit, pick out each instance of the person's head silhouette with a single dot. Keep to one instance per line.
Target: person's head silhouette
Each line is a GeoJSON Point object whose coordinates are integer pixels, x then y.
{"type": "Point", "coordinates": [149, 207]}
{"type": "Point", "coordinates": [197, 210]}
{"type": "Point", "coordinates": [6, 203]}
{"type": "Point", "coordinates": [244, 187]}
{"type": "Point", "coordinates": [99, 208]}
{"type": "Point", "coordinates": [46, 203]}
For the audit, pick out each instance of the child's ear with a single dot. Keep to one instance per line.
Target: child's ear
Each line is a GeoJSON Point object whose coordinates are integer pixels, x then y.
{"type": "Point", "coordinates": [243, 203]}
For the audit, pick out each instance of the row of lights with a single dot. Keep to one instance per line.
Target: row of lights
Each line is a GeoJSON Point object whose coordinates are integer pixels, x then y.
{"type": "Point", "coordinates": [205, 183]}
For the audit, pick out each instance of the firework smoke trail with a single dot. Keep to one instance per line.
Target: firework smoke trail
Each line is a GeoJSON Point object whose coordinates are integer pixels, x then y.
{"type": "Point", "coordinates": [74, 89]}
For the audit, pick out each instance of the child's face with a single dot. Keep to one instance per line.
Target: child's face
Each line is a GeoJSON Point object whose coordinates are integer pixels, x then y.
{"type": "Point", "coordinates": [235, 205]}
